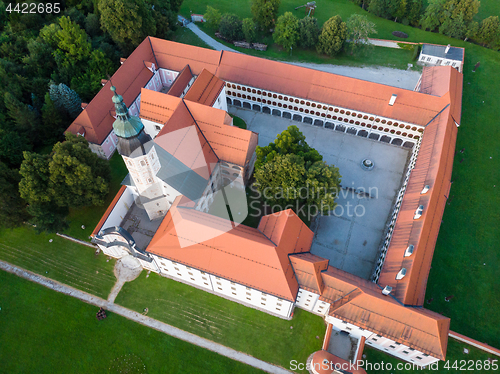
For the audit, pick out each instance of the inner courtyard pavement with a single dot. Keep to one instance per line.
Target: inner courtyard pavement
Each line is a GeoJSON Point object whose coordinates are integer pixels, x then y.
{"type": "Point", "coordinates": [350, 236]}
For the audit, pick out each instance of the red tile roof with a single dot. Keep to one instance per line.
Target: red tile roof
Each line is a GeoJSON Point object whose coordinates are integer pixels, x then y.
{"type": "Point", "coordinates": [361, 303]}
{"type": "Point", "coordinates": [433, 167]}
{"type": "Point", "coordinates": [181, 82]}
{"type": "Point", "coordinates": [238, 253]}
{"type": "Point", "coordinates": [333, 364]}
{"type": "Point", "coordinates": [156, 106]}
{"type": "Point", "coordinates": [128, 80]}
{"type": "Point", "coordinates": [205, 89]}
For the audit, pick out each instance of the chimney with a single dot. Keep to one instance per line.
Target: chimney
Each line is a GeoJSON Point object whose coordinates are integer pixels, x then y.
{"type": "Point", "coordinates": [393, 99]}
{"type": "Point", "coordinates": [447, 48]}
{"type": "Point", "coordinates": [103, 82]}
{"type": "Point", "coordinates": [387, 290]}
{"type": "Point", "coordinates": [122, 60]}
{"type": "Point", "coordinates": [84, 105]}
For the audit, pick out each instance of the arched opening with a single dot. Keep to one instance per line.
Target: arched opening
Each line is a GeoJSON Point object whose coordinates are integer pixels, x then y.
{"type": "Point", "coordinates": [362, 133]}
{"type": "Point", "coordinates": [256, 107]}
{"type": "Point", "coordinates": [351, 130]}
{"type": "Point", "coordinates": [266, 110]}
{"type": "Point", "coordinates": [385, 139]}
{"type": "Point", "coordinates": [408, 144]}
{"type": "Point", "coordinates": [340, 128]}
{"type": "Point", "coordinates": [287, 115]}
{"type": "Point", "coordinates": [318, 122]}
{"type": "Point", "coordinates": [374, 136]}
{"type": "Point", "coordinates": [229, 101]}
{"type": "Point", "coordinates": [308, 120]}
{"type": "Point", "coordinates": [397, 141]}
{"type": "Point", "coordinates": [276, 112]}
{"type": "Point", "coordinates": [237, 103]}
{"type": "Point", "coordinates": [247, 105]}
{"type": "Point", "coordinates": [298, 118]}
{"type": "Point", "coordinates": [329, 125]}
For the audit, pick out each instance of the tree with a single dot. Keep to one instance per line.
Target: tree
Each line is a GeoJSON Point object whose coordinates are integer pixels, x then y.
{"type": "Point", "coordinates": [434, 15]}
{"type": "Point", "coordinates": [286, 32]}
{"type": "Point", "coordinates": [88, 84]}
{"type": "Point", "coordinates": [467, 8]}
{"type": "Point", "coordinates": [248, 26]}
{"type": "Point", "coordinates": [332, 37]}
{"type": "Point", "coordinates": [26, 119]}
{"type": "Point", "coordinates": [308, 32]}
{"type": "Point", "coordinates": [65, 98]}
{"type": "Point", "coordinates": [231, 27]}
{"type": "Point", "coordinates": [290, 140]}
{"type": "Point", "coordinates": [380, 8]}
{"type": "Point", "coordinates": [401, 11]}
{"type": "Point", "coordinates": [489, 32]}
{"type": "Point", "coordinates": [212, 16]}
{"type": "Point", "coordinates": [289, 182]}
{"type": "Point", "coordinates": [12, 207]}
{"type": "Point", "coordinates": [92, 25]}
{"type": "Point", "coordinates": [72, 43]}
{"type": "Point", "coordinates": [414, 12]}
{"type": "Point", "coordinates": [359, 29]}
{"type": "Point", "coordinates": [72, 176]}
{"type": "Point", "coordinates": [54, 120]}
{"type": "Point", "coordinates": [164, 14]}
{"type": "Point", "coordinates": [12, 146]}
{"type": "Point", "coordinates": [265, 13]}
{"type": "Point", "coordinates": [128, 22]}
{"type": "Point", "coordinates": [454, 27]}
{"type": "Point", "coordinates": [47, 217]}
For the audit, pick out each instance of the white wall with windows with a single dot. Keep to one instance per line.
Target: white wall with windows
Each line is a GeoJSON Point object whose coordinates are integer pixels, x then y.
{"type": "Point", "coordinates": [324, 115]}
{"type": "Point", "coordinates": [383, 343]}
{"type": "Point", "coordinates": [231, 290]}
{"type": "Point", "coordinates": [439, 61]}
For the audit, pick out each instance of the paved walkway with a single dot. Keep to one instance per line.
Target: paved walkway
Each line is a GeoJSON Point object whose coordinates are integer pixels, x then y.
{"type": "Point", "coordinates": [207, 39]}
{"type": "Point", "coordinates": [147, 321]}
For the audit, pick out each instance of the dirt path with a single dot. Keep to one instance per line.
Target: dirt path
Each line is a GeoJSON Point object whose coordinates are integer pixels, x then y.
{"type": "Point", "coordinates": [147, 321]}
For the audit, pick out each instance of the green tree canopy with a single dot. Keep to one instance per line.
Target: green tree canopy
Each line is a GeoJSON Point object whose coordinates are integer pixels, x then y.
{"type": "Point", "coordinates": [212, 16]}
{"type": "Point", "coordinates": [12, 207]}
{"type": "Point", "coordinates": [332, 37]}
{"type": "Point", "coordinates": [289, 141]}
{"type": "Point", "coordinates": [288, 182]}
{"type": "Point", "coordinates": [359, 30]}
{"type": "Point", "coordinates": [308, 32]}
{"type": "Point", "coordinates": [265, 13]}
{"type": "Point", "coordinates": [286, 32]}
{"type": "Point", "coordinates": [231, 27]}
{"type": "Point", "coordinates": [72, 42]}
{"type": "Point", "coordinates": [65, 98]}
{"type": "Point", "coordinates": [72, 176]}
{"type": "Point", "coordinates": [249, 31]}
{"type": "Point", "coordinates": [489, 32]}
{"type": "Point", "coordinates": [128, 22]}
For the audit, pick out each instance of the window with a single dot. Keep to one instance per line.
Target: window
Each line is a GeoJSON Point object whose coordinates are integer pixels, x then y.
{"type": "Point", "coordinates": [143, 163]}
{"type": "Point", "coordinates": [248, 298]}
{"type": "Point", "coordinates": [180, 275]}
{"type": "Point", "coordinates": [190, 273]}
{"type": "Point", "coordinates": [428, 59]}
{"type": "Point", "coordinates": [419, 358]}
{"type": "Point", "coordinates": [157, 128]}
{"type": "Point", "coordinates": [233, 288]}
{"type": "Point", "coordinates": [219, 283]}
{"type": "Point", "coordinates": [234, 293]}
{"type": "Point", "coordinates": [219, 288]}
{"type": "Point", "coordinates": [205, 283]}
{"type": "Point", "coordinates": [406, 352]}
{"type": "Point", "coordinates": [425, 355]}
{"type": "Point", "coordinates": [249, 294]}
{"type": "Point", "coordinates": [176, 268]}
{"type": "Point", "coordinates": [392, 346]}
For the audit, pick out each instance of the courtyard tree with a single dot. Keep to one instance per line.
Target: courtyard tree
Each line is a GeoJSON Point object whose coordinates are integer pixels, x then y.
{"type": "Point", "coordinates": [128, 22]}
{"type": "Point", "coordinates": [265, 13]}
{"type": "Point", "coordinates": [231, 27]}
{"type": "Point", "coordinates": [359, 30]}
{"type": "Point", "coordinates": [212, 16]}
{"type": "Point", "coordinates": [288, 181]}
{"type": "Point", "coordinates": [286, 32]}
{"type": "Point", "coordinates": [308, 32]}
{"type": "Point", "coordinates": [248, 26]}
{"type": "Point", "coordinates": [289, 141]}
{"type": "Point", "coordinates": [333, 36]}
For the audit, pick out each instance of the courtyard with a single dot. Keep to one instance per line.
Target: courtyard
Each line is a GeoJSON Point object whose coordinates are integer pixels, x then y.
{"type": "Point", "coordinates": [350, 235]}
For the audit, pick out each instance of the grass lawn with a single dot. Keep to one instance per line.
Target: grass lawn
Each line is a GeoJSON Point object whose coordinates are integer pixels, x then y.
{"type": "Point", "coordinates": [469, 233]}
{"type": "Point", "coordinates": [488, 8]}
{"type": "Point", "coordinates": [455, 354]}
{"type": "Point", "coordinates": [245, 329]}
{"type": "Point", "coordinates": [186, 36]}
{"type": "Point", "coordinates": [238, 122]}
{"type": "Point", "coordinates": [62, 260]}
{"type": "Point", "coordinates": [90, 216]}
{"type": "Point", "coordinates": [43, 331]}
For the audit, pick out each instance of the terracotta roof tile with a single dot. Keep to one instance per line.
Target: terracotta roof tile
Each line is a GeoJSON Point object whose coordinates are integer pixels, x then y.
{"type": "Point", "coordinates": [181, 82]}
{"type": "Point", "coordinates": [156, 106]}
{"type": "Point", "coordinates": [205, 89]}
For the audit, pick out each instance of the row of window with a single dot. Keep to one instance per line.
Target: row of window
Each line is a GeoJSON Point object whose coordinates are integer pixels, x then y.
{"type": "Point", "coordinates": [336, 110]}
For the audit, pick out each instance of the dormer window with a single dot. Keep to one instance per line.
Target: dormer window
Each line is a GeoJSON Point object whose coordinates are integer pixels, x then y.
{"type": "Point", "coordinates": [409, 250]}
{"type": "Point", "coordinates": [418, 212]}
{"type": "Point", "coordinates": [401, 274]}
{"type": "Point", "coordinates": [425, 189]}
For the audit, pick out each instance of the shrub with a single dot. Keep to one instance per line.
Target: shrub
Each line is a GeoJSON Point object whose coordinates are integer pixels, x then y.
{"type": "Point", "coordinates": [308, 32]}
{"type": "Point", "coordinates": [332, 37]}
{"type": "Point", "coordinates": [416, 50]}
{"type": "Point", "coordinates": [249, 29]}
{"type": "Point", "coordinates": [212, 16]}
{"type": "Point", "coordinates": [231, 27]}
{"type": "Point", "coordinates": [286, 32]}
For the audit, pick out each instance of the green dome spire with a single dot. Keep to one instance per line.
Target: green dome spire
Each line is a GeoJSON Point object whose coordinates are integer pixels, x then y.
{"type": "Point", "coordinates": [125, 126]}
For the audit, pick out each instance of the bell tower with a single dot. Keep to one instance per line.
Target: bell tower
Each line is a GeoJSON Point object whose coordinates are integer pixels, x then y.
{"type": "Point", "coordinates": [138, 152]}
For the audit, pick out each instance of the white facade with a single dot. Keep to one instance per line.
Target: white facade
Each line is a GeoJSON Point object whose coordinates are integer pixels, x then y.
{"type": "Point", "coordinates": [223, 287]}
{"type": "Point", "coordinates": [382, 343]}
{"type": "Point", "coordinates": [310, 301]}
{"type": "Point", "coordinates": [439, 61]}
{"type": "Point", "coordinates": [324, 115]}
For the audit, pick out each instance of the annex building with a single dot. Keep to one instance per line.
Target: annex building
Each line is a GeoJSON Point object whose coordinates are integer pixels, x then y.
{"type": "Point", "coordinates": [166, 114]}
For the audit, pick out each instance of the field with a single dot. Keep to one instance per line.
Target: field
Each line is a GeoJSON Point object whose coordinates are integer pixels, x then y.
{"type": "Point", "coordinates": [259, 334]}
{"type": "Point", "coordinates": [46, 332]}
